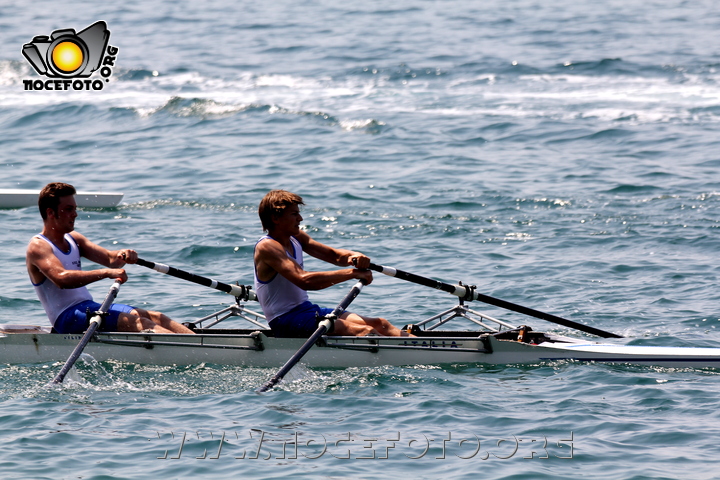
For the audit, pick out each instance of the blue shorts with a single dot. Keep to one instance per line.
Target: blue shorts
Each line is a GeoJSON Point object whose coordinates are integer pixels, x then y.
{"type": "Point", "coordinates": [300, 322]}
{"type": "Point", "coordinates": [75, 319]}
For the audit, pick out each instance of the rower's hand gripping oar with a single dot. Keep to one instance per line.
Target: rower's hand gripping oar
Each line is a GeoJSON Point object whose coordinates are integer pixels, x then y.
{"type": "Point", "coordinates": [94, 324]}
{"type": "Point", "coordinates": [324, 326]}
{"type": "Point", "coordinates": [241, 292]}
{"type": "Point", "coordinates": [467, 293]}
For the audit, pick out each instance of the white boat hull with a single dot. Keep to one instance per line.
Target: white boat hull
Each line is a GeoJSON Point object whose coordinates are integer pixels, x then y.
{"type": "Point", "coordinates": [19, 198]}
{"type": "Point", "coordinates": [258, 349]}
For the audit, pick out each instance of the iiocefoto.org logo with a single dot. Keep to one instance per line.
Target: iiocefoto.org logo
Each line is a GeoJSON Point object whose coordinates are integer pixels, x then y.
{"type": "Point", "coordinates": [68, 57]}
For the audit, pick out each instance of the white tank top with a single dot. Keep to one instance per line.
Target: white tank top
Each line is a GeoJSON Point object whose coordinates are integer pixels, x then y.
{"type": "Point", "coordinates": [56, 300]}
{"type": "Point", "coordinates": [280, 295]}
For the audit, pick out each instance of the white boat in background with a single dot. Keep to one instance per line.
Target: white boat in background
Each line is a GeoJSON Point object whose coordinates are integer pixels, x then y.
{"type": "Point", "coordinates": [20, 198]}
{"type": "Point", "coordinates": [490, 342]}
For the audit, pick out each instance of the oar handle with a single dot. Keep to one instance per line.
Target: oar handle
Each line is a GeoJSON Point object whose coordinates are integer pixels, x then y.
{"type": "Point", "coordinates": [469, 294]}
{"type": "Point", "coordinates": [94, 324]}
{"type": "Point", "coordinates": [324, 325]}
{"type": "Point", "coordinates": [243, 292]}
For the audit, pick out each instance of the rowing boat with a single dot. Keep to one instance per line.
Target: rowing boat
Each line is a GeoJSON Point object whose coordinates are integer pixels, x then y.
{"type": "Point", "coordinates": [19, 198]}
{"type": "Point", "coordinates": [490, 341]}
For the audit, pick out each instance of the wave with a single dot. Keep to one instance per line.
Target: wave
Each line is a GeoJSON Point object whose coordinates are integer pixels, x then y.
{"type": "Point", "coordinates": [615, 67]}
{"type": "Point", "coordinates": [13, 72]}
{"type": "Point", "coordinates": [633, 189]}
{"type": "Point", "coordinates": [199, 204]}
{"type": "Point", "coordinates": [132, 75]}
{"type": "Point", "coordinates": [199, 107]}
{"type": "Point", "coordinates": [204, 108]}
{"type": "Point", "coordinates": [364, 98]}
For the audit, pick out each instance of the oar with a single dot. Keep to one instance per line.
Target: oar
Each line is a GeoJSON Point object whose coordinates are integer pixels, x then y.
{"type": "Point", "coordinates": [470, 294]}
{"type": "Point", "coordinates": [94, 324]}
{"type": "Point", "coordinates": [241, 291]}
{"type": "Point", "coordinates": [323, 327]}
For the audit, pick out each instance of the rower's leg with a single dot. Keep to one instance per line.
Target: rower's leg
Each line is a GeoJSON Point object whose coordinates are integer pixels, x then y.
{"type": "Point", "coordinates": [349, 325]}
{"type": "Point", "coordinates": [129, 322]}
{"type": "Point", "coordinates": [384, 327]}
{"type": "Point", "coordinates": [366, 325]}
{"type": "Point", "coordinates": [163, 321]}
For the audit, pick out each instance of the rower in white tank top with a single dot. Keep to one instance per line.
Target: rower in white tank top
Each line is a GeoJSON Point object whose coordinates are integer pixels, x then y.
{"type": "Point", "coordinates": [280, 295]}
{"type": "Point", "coordinates": [56, 300]}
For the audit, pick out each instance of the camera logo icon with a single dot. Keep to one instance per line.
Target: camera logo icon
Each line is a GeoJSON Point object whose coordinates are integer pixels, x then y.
{"type": "Point", "coordinates": [67, 54]}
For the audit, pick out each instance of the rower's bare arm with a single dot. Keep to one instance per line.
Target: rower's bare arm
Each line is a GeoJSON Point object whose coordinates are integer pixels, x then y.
{"type": "Point", "coordinates": [42, 262]}
{"type": "Point", "coordinates": [271, 256]}
{"type": "Point", "coordinates": [102, 256]}
{"type": "Point", "coordinates": [337, 256]}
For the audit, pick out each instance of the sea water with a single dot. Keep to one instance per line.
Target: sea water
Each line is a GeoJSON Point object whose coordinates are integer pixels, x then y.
{"type": "Point", "coordinates": [559, 155]}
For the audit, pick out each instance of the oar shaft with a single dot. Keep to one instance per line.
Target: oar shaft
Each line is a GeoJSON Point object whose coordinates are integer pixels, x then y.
{"type": "Point", "coordinates": [352, 295]}
{"type": "Point", "coordinates": [543, 316]}
{"type": "Point", "coordinates": [323, 327]}
{"type": "Point", "coordinates": [456, 290]}
{"type": "Point", "coordinates": [240, 291]}
{"type": "Point", "coordinates": [94, 324]}
{"type": "Point", "coordinates": [467, 293]}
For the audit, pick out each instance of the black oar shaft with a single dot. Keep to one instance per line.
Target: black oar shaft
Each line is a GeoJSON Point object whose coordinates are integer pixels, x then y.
{"type": "Point", "coordinates": [94, 324]}
{"type": "Point", "coordinates": [544, 316]}
{"type": "Point", "coordinates": [468, 294]}
{"type": "Point", "coordinates": [240, 291]}
{"type": "Point", "coordinates": [411, 277]}
{"type": "Point", "coordinates": [323, 327]}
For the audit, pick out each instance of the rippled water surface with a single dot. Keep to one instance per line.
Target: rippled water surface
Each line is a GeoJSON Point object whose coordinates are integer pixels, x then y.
{"type": "Point", "coordinates": [561, 156]}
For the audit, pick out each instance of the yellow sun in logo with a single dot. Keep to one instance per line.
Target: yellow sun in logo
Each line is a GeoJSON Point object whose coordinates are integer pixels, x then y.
{"type": "Point", "coordinates": [67, 56]}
